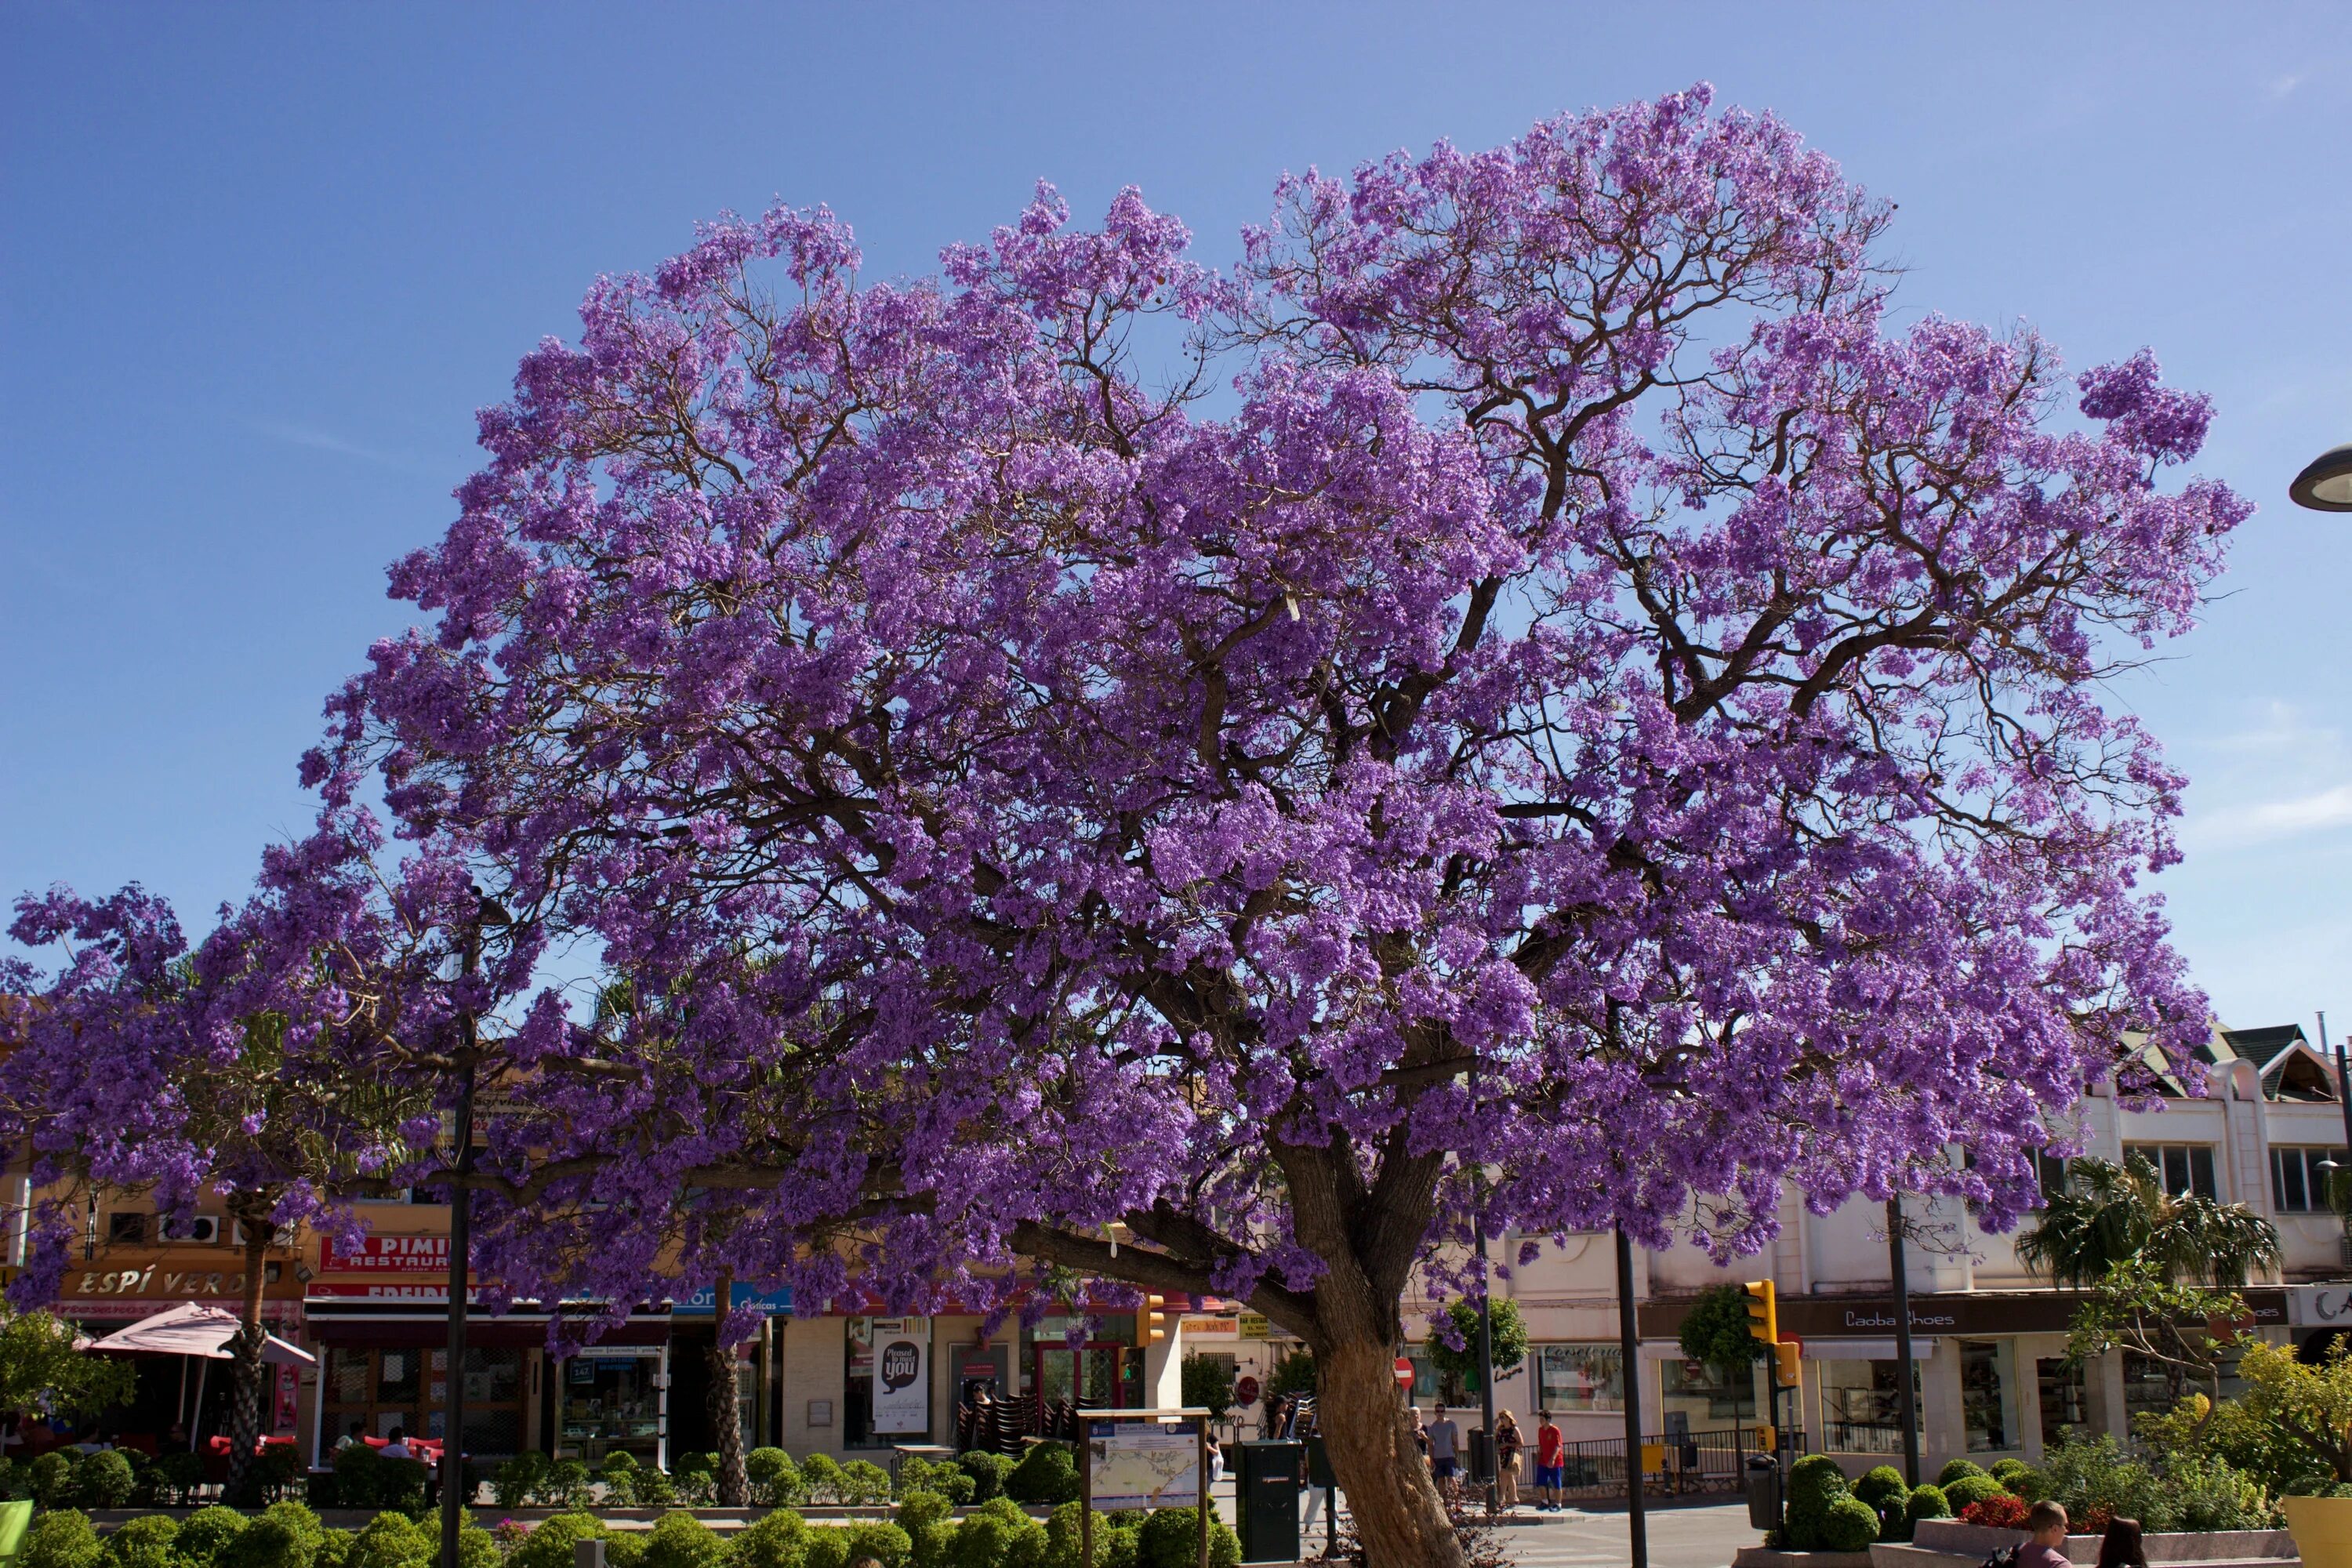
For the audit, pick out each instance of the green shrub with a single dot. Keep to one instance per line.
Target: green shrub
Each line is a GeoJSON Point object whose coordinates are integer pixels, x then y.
{"type": "Point", "coordinates": [51, 1479]}
{"type": "Point", "coordinates": [519, 1479]}
{"type": "Point", "coordinates": [775, 1479]}
{"type": "Point", "coordinates": [568, 1486]}
{"type": "Point", "coordinates": [997, 1534]}
{"type": "Point", "coordinates": [863, 1484]}
{"type": "Point", "coordinates": [355, 1484]}
{"type": "Point", "coordinates": [62, 1538]}
{"type": "Point", "coordinates": [1954, 1469]}
{"type": "Point", "coordinates": [778, 1540]}
{"type": "Point", "coordinates": [1928, 1502]}
{"type": "Point", "coordinates": [987, 1472]}
{"type": "Point", "coordinates": [1815, 1483]}
{"type": "Point", "coordinates": [648, 1488]}
{"type": "Point", "coordinates": [1047, 1474]}
{"type": "Point", "coordinates": [549, 1545]}
{"type": "Point", "coordinates": [392, 1540]}
{"type": "Point", "coordinates": [950, 1481]}
{"type": "Point", "coordinates": [204, 1534]}
{"type": "Point", "coordinates": [1962, 1490]}
{"type": "Point", "coordinates": [286, 1535]}
{"type": "Point", "coordinates": [2007, 1472]}
{"type": "Point", "coordinates": [400, 1486]}
{"type": "Point", "coordinates": [821, 1474]}
{"type": "Point", "coordinates": [929, 1523]}
{"type": "Point", "coordinates": [825, 1548]}
{"type": "Point", "coordinates": [1882, 1489]}
{"type": "Point", "coordinates": [142, 1542]}
{"type": "Point", "coordinates": [1170, 1537]}
{"type": "Point", "coordinates": [177, 1477]}
{"type": "Point", "coordinates": [1850, 1526]}
{"type": "Point", "coordinates": [334, 1549]}
{"type": "Point", "coordinates": [102, 1480]}
{"type": "Point", "coordinates": [1063, 1542]}
{"type": "Point", "coordinates": [886, 1543]}
{"type": "Point", "coordinates": [13, 1479]}
{"type": "Point", "coordinates": [696, 1477]}
{"type": "Point", "coordinates": [476, 1548]}
{"type": "Point", "coordinates": [682, 1540]}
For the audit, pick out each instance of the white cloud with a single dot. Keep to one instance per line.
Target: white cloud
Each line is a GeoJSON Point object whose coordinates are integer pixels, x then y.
{"type": "Point", "coordinates": [2265, 822]}
{"type": "Point", "coordinates": [324, 441]}
{"type": "Point", "coordinates": [2281, 87]}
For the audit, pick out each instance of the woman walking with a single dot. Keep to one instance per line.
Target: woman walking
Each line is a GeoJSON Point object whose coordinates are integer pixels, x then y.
{"type": "Point", "coordinates": [1507, 1444]}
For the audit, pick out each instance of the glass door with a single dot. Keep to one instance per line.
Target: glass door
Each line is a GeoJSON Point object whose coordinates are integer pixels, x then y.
{"type": "Point", "coordinates": [1093, 1376]}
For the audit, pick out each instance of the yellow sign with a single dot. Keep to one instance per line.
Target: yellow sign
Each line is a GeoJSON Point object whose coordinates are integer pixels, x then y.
{"type": "Point", "coordinates": [1254, 1327]}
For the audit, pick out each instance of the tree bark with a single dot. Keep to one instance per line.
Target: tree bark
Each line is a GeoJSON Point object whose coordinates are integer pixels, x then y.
{"type": "Point", "coordinates": [726, 1423]}
{"type": "Point", "coordinates": [1399, 1516]}
{"type": "Point", "coordinates": [244, 1349]}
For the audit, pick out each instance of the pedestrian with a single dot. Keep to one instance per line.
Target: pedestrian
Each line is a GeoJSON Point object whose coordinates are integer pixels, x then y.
{"type": "Point", "coordinates": [396, 1446]}
{"type": "Point", "coordinates": [1444, 1445]}
{"type": "Point", "coordinates": [1507, 1444]}
{"type": "Point", "coordinates": [1551, 1448]}
{"type": "Point", "coordinates": [2121, 1547]}
{"type": "Point", "coordinates": [1420, 1434]}
{"type": "Point", "coordinates": [1317, 1497]}
{"type": "Point", "coordinates": [2046, 1523]}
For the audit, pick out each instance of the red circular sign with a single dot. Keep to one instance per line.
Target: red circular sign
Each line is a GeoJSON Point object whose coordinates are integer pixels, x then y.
{"type": "Point", "coordinates": [1404, 1371]}
{"type": "Point", "coordinates": [1246, 1391]}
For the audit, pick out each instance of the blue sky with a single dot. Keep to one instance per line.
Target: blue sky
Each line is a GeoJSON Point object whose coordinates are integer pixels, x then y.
{"type": "Point", "coordinates": [258, 265]}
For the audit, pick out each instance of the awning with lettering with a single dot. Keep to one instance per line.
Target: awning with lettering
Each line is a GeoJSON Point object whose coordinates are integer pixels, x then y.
{"type": "Point", "coordinates": [394, 1325]}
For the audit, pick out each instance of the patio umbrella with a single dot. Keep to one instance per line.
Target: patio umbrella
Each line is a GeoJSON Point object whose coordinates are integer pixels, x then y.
{"type": "Point", "coordinates": [191, 1329]}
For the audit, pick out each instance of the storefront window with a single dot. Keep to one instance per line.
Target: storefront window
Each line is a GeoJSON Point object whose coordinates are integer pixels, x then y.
{"type": "Point", "coordinates": [1705, 1396]}
{"type": "Point", "coordinates": [1862, 1405]}
{"type": "Point", "coordinates": [1985, 1410]}
{"type": "Point", "coordinates": [409, 1388]}
{"type": "Point", "coordinates": [1580, 1377]}
{"type": "Point", "coordinates": [2065, 1410]}
{"type": "Point", "coordinates": [609, 1405]}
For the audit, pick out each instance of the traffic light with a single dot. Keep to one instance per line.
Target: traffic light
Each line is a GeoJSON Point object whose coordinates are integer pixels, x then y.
{"type": "Point", "coordinates": [1763, 1311]}
{"type": "Point", "coordinates": [1152, 1320]}
{"type": "Point", "coordinates": [1785, 1356]}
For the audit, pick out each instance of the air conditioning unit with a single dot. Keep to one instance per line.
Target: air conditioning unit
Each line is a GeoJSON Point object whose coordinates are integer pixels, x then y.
{"type": "Point", "coordinates": [200, 1230]}
{"type": "Point", "coordinates": [282, 1235]}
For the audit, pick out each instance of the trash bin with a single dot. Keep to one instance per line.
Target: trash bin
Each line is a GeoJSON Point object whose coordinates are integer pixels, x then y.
{"type": "Point", "coordinates": [1482, 1458]}
{"type": "Point", "coordinates": [1265, 1488]}
{"type": "Point", "coordinates": [1763, 1492]}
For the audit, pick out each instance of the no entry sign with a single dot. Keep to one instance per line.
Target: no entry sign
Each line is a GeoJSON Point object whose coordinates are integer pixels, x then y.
{"type": "Point", "coordinates": [1404, 1371]}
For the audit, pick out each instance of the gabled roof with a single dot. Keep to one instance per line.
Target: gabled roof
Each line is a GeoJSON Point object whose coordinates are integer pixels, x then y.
{"type": "Point", "coordinates": [2282, 1056]}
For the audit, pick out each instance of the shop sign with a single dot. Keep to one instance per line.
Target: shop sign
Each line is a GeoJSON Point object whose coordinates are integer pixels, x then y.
{"type": "Point", "coordinates": [1251, 1326]}
{"type": "Point", "coordinates": [702, 1303]}
{"type": "Point", "coordinates": [2319, 1306]}
{"type": "Point", "coordinates": [155, 1281]}
{"type": "Point", "coordinates": [386, 1255]}
{"type": "Point", "coordinates": [894, 1354]}
{"type": "Point", "coordinates": [1210, 1328]}
{"type": "Point", "coordinates": [332, 1292]}
{"type": "Point", "coordinates": [1959, 1312]}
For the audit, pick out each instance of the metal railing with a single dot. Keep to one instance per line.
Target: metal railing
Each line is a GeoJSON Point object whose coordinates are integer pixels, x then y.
{"type": "Point", "coordinates": [1861, 1438]}
{"type": "Point", "coordinates": [1701, 1462]}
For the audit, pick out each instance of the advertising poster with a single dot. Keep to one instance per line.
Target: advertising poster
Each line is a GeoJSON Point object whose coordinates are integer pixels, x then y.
{"type": "Point", "coordinates": [902, 1384]}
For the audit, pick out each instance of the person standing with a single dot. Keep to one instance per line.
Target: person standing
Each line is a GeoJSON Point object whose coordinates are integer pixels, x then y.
{"type": "Point", "coordinates": [1551, 1449]}
{"type": "Point", "coordinates": [1444, 1450]}
{"type": "Point", "coordinates": [1507, 1444]}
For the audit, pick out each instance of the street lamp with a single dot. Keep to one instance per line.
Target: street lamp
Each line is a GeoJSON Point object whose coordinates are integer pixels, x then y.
{"type": "Point", "coordinates": [2326, 482]}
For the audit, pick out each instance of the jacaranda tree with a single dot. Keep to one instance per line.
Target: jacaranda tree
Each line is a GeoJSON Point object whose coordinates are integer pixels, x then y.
{"type": "Point", "coordinates": [1531, 692]}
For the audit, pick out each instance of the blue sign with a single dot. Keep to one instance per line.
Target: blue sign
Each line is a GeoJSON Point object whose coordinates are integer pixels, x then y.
{"type": "Point", "coordinates": [704, 1302]}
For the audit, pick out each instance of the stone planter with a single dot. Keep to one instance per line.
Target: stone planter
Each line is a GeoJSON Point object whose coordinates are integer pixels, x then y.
{"type": "Point", "coordinates": [1951, 1542]}
{"type": "Point", "coordinates": [2321, 1526]}
{"type": "Point", "coordinates": [1769, 1557]}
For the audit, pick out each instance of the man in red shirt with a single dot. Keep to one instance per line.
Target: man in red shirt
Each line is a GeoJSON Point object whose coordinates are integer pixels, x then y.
{"type": "Point", "coordinates": [1549, 1446]}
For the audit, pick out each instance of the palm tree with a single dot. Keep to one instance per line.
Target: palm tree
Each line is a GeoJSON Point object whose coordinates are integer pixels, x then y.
{"type": "Point", "coordinates": [2109, 1214]}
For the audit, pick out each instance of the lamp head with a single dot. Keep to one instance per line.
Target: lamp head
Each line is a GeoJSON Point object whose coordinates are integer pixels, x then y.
{"type": "Point", "coordinates": [2326, 482]}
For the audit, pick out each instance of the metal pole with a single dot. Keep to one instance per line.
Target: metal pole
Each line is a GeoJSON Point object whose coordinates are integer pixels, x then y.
{"type": "Point", "coordinates": [1907, 1406]}
{"type": "Point", "coordinates": [2343, 1083]}
{"type": "Point", "coordinates": [1629, 1348]}
{"type": "Point", "coordinates": [453, 1426]}
{"type": "Point", "coordinates": [1208, 1504]}
{"type": "Point", "coordinates": [1486, 1358]}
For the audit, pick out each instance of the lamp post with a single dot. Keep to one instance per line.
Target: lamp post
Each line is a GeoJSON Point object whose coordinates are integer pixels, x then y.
{"type": "Point", "coordinates": [468, 1056]}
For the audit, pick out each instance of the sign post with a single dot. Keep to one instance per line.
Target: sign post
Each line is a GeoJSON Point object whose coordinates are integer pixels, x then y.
{"type": "Point", "coordinates": [1135, 1466]}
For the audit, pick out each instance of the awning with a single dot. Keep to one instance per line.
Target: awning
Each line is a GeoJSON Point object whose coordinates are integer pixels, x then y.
{"type": "Point", "coordinates": [1662, 1350]}
{"type": "Point", "coordinates": [190, 1328]}
{"type": "Point", "coordinates": [383, 1325]}
{"type": "Point", "coordinates": [1923, 1348]}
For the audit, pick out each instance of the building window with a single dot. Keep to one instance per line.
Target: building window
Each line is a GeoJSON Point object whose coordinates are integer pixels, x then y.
{"type": "Point", "coordinates": [2065, 1408]}
{"type": "Point", "coordinates": [1580, 1377]}
{"type": "Point", "coordinates": [1862, 1405]}
{"type": "Point", "coordinates": [377, 1390]}
{"type": "Point", "coordinates": [2185, 1169]}
{"type": "Point", "coordinates": [1703, 1394]}
{"type": "Point", "coordinates": [126, 1229]}
{"type": "Point", "coordinates": [1984, 1396]}
{"type": "Point", "coordinates": [2297, 1184]}
{"type": "Point", "coordinates": [2050, 1170]}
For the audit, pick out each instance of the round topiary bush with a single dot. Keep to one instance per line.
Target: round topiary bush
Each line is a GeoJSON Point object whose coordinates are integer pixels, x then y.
{"type": "Point", "coordinates": [987, 1472]}
{"type": "Point", "coordinates": [997, 1534]}
{"type": "Point", "coordinates": [1047, 1474]}
{"type": "Point", "coordinates": [549, 1545]}
{"type": "Point", "coordinates": [682, 1540]}
{"type": "Point", "coordinates": [204, 1534]}
{"type": "Point", "coordinates": [1954, 1469]}
{"type": "Point", "coordinates": [142, 1542]}
{"type": "Point", "coordinates": [50, 1480]}
{"type": "Point", "coordinates": [62, 1538]}
{"type": "Point", "coordinates": [1928, 1502]}
{"type": "Point", "coordinates": [286, 1535]}
{"type": "Point", "coordinates": [1815, 1482]}
{"type": "Point", "coordinates": [775, 1479]}
{"type": "Point", "coordinates": [774, 1541]}
{"type": "Point", "coordinates": [1170, 1537]}
{"type": "Point", "coordinates": [1959, 1493]}
{"type": "Point", "coordinates": [2009, 1471]}
{"type": "Point", "coordinates": [102, 1480]}
{"type": "Point", "coordinates": [1851, 1525]}
{"type": "Point", "coordinates": [391, 1541]}
{"type": "Point", "coordinates": [887, 1544]}
{"type": "Point", "coordinates": [863, 1484]}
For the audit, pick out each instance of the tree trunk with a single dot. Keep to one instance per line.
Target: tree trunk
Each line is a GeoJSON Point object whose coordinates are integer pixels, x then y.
{"type": "Point", "coordinates": [1399, 1516]}
{"type": "Point", "coordinates": [244, 1350]}
{"type": "Point", "coordinates": [734, 1490]}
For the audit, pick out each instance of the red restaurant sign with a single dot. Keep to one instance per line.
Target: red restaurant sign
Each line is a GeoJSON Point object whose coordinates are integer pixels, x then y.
{"type": "Point", "coordinates": [386, 1255]}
